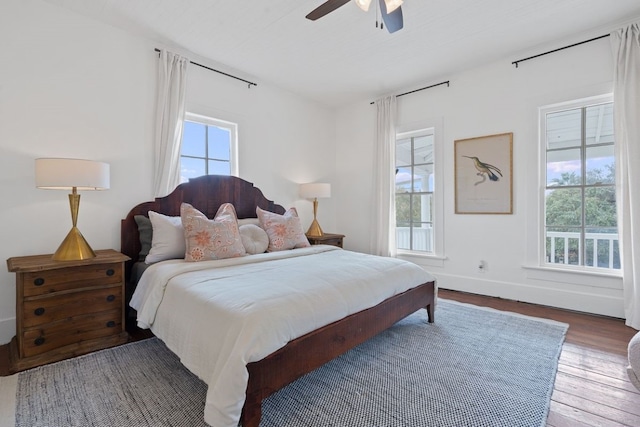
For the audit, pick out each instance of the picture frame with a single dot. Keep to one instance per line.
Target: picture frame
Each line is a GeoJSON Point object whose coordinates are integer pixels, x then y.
{"type": "Point", "coordinates": [484, 174]}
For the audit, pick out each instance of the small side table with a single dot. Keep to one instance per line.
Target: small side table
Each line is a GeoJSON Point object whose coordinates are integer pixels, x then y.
{"type": "Point", "coordinates": [66, 308]}
{"type": "Point", "coordinates": [327, 239]}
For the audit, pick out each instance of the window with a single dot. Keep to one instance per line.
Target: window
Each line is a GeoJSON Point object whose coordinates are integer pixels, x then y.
{"type": "Point", "coordinates": [580, 223]}
{"type": "Point", "coordinates": [414, 191]}
{"type": "Point", "coordinates": [208, 147]}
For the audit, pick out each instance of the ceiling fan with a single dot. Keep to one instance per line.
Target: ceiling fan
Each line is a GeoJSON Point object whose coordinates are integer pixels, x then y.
{"type": "Point", "coordinates": [389, 9]}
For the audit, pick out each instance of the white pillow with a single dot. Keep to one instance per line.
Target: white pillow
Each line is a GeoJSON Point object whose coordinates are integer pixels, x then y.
{"type": "Point", "coordinates": [167, 241]}
{"type": "Point", "coordinates": [254, 239]}
{"type": "Point", "coordinates": [244, 221]}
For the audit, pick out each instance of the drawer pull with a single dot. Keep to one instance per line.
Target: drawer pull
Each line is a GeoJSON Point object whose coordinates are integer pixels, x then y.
{"type": "Point", "coordinates": [38, 311]}
{"type": "Point", "coordinates": [111, 298]}
{"type": "Point", "coordinates": [38, 281]}
{"type": "Point", "coordinates": [38, 341]}
{"type": "Point", "coordinates": [110, 272]}
{"type": "Point", "coordinates": [111, 324]}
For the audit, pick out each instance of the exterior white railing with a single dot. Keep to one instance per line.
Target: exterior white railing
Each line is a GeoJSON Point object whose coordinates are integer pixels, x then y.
{"type": "Point", "coordinates": [422, 239]}
{"type": "Point", "coordinates": [566, 256]}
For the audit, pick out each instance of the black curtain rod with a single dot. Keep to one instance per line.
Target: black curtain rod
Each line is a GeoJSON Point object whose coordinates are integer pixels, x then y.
{"type": "Point", "coordinates": [220, 72]}
{"type": "Point", "coordinates": [417, 90]}
{"type": "Point", "coordinates": [560, 48]}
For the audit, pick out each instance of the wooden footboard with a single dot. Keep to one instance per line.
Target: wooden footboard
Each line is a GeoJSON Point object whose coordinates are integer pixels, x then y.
{"type": "Point", "coordinates": [295, 359]}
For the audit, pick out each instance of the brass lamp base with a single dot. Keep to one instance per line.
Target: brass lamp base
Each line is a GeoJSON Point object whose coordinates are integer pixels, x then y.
{"type": "Point", "coordinates": [315, 230]}
{"type": "Point", "coordinates": [74, 247]}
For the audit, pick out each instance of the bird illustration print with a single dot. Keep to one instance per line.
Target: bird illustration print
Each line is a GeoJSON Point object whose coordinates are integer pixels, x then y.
{"type": "Point", "coordinates": [485, 170]}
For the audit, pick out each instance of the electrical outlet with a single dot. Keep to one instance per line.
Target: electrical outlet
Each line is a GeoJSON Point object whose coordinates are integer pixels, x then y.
{"type": "Point", "coordinates": [482, 266]}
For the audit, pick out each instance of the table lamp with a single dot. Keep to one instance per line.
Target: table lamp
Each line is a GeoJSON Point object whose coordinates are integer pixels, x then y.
{"type": "Point", "coordinates": [74, 175]}
{"type": "Point", "coordinates": [313, 191]}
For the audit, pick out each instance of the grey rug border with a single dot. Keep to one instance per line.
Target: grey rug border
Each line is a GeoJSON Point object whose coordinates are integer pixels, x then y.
{"type": "Point", "coordinates": [8, 384]}
{"type": "Point", "coordinates": [511, 313]}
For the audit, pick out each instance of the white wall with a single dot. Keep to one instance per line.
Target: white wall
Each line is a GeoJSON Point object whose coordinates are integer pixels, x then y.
{"type": "Point", "coordinates": [495, 98]}
{"type": "Point", "coordinates": [72, 87]}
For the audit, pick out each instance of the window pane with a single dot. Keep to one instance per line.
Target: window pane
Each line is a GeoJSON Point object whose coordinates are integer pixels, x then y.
{"type": "Point", "coordinates": [422, 237]}
{"type": "Point", "coordinates": [193, 140]}
{"type": "Point", "coordinates": [403, 152]}
{"type": "Point", "coordinates": [403, 180]}
{"type": "Point", "coordinates": [403, 202]}
{"type": "Point", "coordinates": [601, 165]}
{"type": "Point", "coordinates": [191, 168]}
{"type": "Point", "coordinates": [564, 129]}
{"type": "Point", "coordinates": [563, 207]}
{"type": "Point", "coordinates": [423, 178]}
{"type": "Point", "coordinates": [600, 207]}
{"type": "Point", "coordinates": [564, 167]}
{"type": "Point", "coordinates": [421, 209]}
{"type": "Point", "coordinates": [423, 149]}
{"type": "Point", "coordinates": [403, 235]}
{"type": "Point", "coordinates": [219, 168]}
{"type": "Point", "coordinates": [219, 143]}
{"type": "Point", "coordinates": [602, 248]}
{"type": "Point", "coordinates": [599, 124]}
{"type": "Point", "coordinates": [563, 245]}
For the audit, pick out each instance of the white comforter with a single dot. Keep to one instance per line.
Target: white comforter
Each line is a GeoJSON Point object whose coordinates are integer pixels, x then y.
{"type": "Point", "coordinates": [218, 316]}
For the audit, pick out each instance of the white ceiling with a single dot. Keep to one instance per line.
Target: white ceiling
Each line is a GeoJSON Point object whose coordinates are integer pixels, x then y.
{"type": "Point", "coordinates": [343, 57]}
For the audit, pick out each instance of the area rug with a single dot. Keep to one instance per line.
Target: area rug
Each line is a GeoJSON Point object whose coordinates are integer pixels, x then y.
{"type": "Point", "coordinates": [473, 367]}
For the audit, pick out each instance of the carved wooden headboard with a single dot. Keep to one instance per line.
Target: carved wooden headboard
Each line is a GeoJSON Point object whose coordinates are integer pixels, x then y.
{"type": "Point", "coordinates": [206, 194]}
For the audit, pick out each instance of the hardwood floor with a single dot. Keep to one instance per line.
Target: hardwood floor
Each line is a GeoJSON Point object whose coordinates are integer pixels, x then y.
{"type": "Point", "coordinates": [591, 388]}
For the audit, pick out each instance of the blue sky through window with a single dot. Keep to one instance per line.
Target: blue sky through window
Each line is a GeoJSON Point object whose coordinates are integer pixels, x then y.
{"type": "Point", "coordinates": [205, 149]}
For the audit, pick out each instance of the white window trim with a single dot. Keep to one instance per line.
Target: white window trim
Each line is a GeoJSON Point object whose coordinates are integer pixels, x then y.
{"type": "Point", "coordinates": [542, 265]}
{"type": "Point", "coordinates": [436, 257]}
{"type": "Point", "coordinates": [233, 131]}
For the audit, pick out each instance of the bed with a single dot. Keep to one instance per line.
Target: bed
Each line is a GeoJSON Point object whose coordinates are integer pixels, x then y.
{"type": "Point", "coordinates": [290, 359]}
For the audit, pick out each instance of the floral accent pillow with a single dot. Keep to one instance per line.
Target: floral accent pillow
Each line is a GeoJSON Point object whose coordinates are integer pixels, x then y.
{"type": "Point", "coordinates": [208, 239]}
{"type": "Point", "coordinates": [284, 231]}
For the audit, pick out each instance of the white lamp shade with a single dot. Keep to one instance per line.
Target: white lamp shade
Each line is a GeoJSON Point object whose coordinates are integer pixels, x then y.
{"type": "Point", "coordinates": [313, 190]}
{"type": "Point", "coordinates": [64, 174]}
{"type": "Point", "coordinates": [363, 4]}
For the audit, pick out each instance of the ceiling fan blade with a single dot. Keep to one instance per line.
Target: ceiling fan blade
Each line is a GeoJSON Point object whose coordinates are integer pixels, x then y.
{"type": "Point", "coordinates": [325, 8]}
{"type": "Point", "coordinates": [393, 20]}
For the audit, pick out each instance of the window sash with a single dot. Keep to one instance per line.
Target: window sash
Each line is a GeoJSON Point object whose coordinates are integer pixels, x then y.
{"type": "Point", "coordinates": [211, 162]}
{"type": "Point", "coordinates": [415, 227]}
{"type": "Point", "coordinates": [578, 241]}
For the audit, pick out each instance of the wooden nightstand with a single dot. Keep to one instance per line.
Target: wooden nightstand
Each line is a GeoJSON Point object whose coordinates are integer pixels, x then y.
{"type": "Point", "coordinates": [66, 308]}
{"type": "Point", "coordinates": [327, 239]}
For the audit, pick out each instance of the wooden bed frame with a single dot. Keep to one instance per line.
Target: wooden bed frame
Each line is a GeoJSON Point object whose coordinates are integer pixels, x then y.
{"type": "Point", "coordinates": [305, 353]}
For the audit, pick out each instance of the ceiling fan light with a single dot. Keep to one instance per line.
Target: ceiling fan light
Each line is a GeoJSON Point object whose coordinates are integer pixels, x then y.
{"type": "Point", "coordinates": [392, 5]}
{"type": "Point", "coordinates": [363, 4]}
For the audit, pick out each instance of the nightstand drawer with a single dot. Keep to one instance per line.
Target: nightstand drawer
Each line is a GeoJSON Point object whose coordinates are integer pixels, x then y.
{"type": "Point", "coordinates": [63, 279]}
{"type": "Point", "coordinates": [327, 239]}
{"type": "Point", "coordinates": [71, 330]}
{"type": "Point", "coordinates": [38, 311]}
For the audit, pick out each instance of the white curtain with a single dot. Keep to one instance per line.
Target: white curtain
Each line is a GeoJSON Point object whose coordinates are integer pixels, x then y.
{"type": "Point", "coordinates": [172, 87]}
{"type": "Point", "coordinates": [625, 44]}
{"type": "Point", "coordinates": [383, 235]}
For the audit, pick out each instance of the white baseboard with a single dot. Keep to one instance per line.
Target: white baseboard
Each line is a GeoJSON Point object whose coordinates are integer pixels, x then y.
{"type": "Point", "coordinates": [7, 330]}
{"type": "Point", "coordinates": [583, 301]}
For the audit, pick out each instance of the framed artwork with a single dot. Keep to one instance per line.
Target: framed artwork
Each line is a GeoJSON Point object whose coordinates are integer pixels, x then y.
{"type": "Point", "coordinates": [483, 174]}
